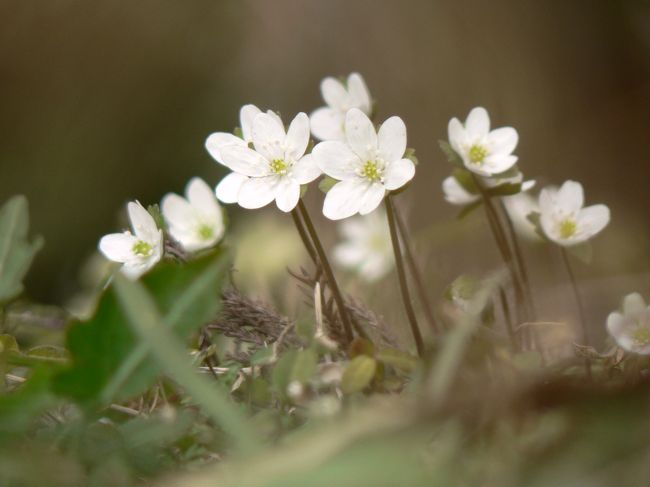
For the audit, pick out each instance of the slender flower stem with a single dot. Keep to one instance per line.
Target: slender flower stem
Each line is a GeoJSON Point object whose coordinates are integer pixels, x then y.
{"type": "Point", "coordinates": [401, 274]}
{"type": "Point", "coordinates": [297, 221]}
{"type": "Point", "coordinates": [581, 309]}
{"type": "Point", "coordinates": [327, 269]}
{"type": "Point", "coordinates": [415, 272]}
{"type": "Point", "coordinates": [521, 263]}
{"type": "Point", "coordinates": [508, 319]}
{"type": "Point", "coordinates": [503, 246]}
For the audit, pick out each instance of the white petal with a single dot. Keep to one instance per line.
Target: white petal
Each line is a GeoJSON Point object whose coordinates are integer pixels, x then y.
{"type": "Point", "coordinates": [477, 124]}
{"type": "Point", "coordinates": [201, 197]}
{"type": "Point", "coordinates": [633, 304]}
{"type": "Point", "coordinates": [117, 247]}
{"type": "Point", "coordinates": [246, 116]}
{"type": "Point", "coordinates": [349, 254]}
{"type": "Point", "coordinates": [327, 124]}
{"type": "Point", "coordinates": [528, 185]}
{"type": "Point", "coordinates": [245, 161]}
{"type": "Point", "coordinates": [359, 96]}
{"type": "Point", "coordinates": [371, 198]}
{"type": "Point", "coordinates": [547, 200]}
{"type": "Point", "coordinates": [268, 136]}
{"type": "Point", "coordinates": [228, 189]}
{"type": "Point", "coordinates": [217, 141]}
{"type": "Point", "coordinates": [592, 220]}
{"type": "Point", "coordinates": [144, 226]}
{"type": "Point", "coordinates": [179, 215]}
{"type": "Point", "coordinates": [492, 165]}
{"type": "Point", "coordinates": [456, 134]}
{"type": "Point", "coordinates": [570, 197]}
{"type": "Point", "coordinates": [360, 134]}
{"type": "Point", "coordinates": [344, 199]}
{"type": "Point", "coordinates": [398, 173]}
{"type": "Point", "coordinates": [334, 93]}
{"type": "Point", "coordinates": [616, 325]}
{"type": "Point", "coordinates": [391, 139]}
{"type": "Point", "coordinates": [456, 194]}
{"type": "Point", "coordinates": [297, 137]}
{"type": "Point", "coordinates": [337, 160]}
{"type": "Point", "coordinates": [305, 170]}
{"type": "Point", "coordinates": [503, 140]}
{"type": "Point", "coordinates": [257, 192]}
{"type": "Point", "coordinates": [287, 194]}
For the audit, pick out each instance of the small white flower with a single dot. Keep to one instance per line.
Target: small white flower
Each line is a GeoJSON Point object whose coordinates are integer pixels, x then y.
{"type": "Point", "coordinates": [277, 165]}
{"type": "Point", "coordinates": [327, 122]}
{"type": "Point", "coordinates": [483, 152]}
{"type": "Point", "coordinates": [631, 329]}
{"type": "Point", "coordinates": [519, 207]}
{"type": "Point", "coordinates": [367, 165]}
{"type": "Point", "coordinates": [140, 252]}
{"type": "Point", "coordinates": [366, 247]}
{"type": "Point", "coordinates": [228, 189]}
{"type": "Point", "coordinates": [563, 218]}
{"type": "Point", "coordinates": [196, 221]}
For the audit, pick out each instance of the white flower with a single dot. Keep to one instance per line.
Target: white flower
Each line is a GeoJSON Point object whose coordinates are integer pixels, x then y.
{"type": "Point", "coordinates": [277, 165]}
{"type": "Point", "coordinates": [195, 222]}
{"type": "Point", "coordinates": [228, 189]}
{"type": "Point", "coordinates": [366, 247]}
{"type": "Point", "coordinates": [367, 164]}
{"type": "Point", "coordinates": [327, 122]}
{"type": "Point", "coordinates": [483, 152]}
{"type": "Point", "coordinates": [519, 207]}
{"type": "Point", "coordinates": [631, 329]}
{"type": "Point", "coordinates": [456, 194]}
{"type": "Point", "coordinates": [564, 220]}
{"type": "Point", "coordinates": [140, 252]}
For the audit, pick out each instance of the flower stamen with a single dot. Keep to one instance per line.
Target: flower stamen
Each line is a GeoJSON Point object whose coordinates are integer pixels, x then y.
{"type": "Point", "coordinates": [206, 232]}
{"type": "Point", "coordinates": [371, 172]}
{"type": "Point", "coordinates": [641, 336]}
{"type": "Point", "coordinates": [567, 228]}
{"type": "Point", "coordinates": [142, 248]}
{"type": "Point", "coordinates": [477, 153]}
{"type": "Point", "coordinates": [278, 166]}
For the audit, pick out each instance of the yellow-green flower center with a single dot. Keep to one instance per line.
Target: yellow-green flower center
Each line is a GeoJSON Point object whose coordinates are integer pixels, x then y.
{"type": "Point", "coordinates": [370, 171]}
{"type": "Point", "coordinates": [278, 166]}
{"type": "Point", "coordinates": [567, 228]}
{"type": "Point", "coordinates": [477, 153]}
{"type": "Point", "coordinates": [205, 232]}
{"type": "Point", "coordinates": [142, 248]}
{"type": "Point", "coordinates": [641, 336]}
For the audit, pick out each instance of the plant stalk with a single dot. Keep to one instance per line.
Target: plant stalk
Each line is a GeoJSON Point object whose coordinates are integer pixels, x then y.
{"type": "Point", "coordinates": [322, 257]}
{"type": "Point", "coordinates": [581, 309]}
{"type": "Point", "coordinates": [415, 273]}
{"type": "Point", "coordinates": [401, 274]}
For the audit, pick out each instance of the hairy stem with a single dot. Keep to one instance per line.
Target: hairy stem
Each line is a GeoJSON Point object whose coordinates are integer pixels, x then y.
{"type": "Point", "coordinates": [508, 319]}
{"type": "Point", "coordinates": [327, 269]}
{"type": "Point", "coordinates": [401, 274]}
{"type": "Point", "coordinates": [415, 273]}
{"type": "Point", "coordinates": [581, 309]}
{"type": "Point", "coordinates": [297, 221]}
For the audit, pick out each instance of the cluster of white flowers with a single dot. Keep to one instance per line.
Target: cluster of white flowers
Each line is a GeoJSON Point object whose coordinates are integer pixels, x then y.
{"type": "Point", "coordinates": [488, 167]}
{"type": "Point", "coordinates": [631, 328]}
{"type": "Point", "coordinates": [194, 223]}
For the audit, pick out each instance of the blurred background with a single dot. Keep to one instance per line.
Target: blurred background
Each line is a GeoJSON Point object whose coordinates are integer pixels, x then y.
{"type": "Point", "coordinates": [110, 100]}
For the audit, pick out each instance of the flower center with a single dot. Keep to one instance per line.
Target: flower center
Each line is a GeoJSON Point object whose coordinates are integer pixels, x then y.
{"type": "Point", "coordinates": [205, 232]}
{"type": "Point", "coordinates": [641, 336]}
{"type": "Point", "coordinates": [371, 172]}
{"type": "Point", "coordinates": [278, 166]}
{"type": "Point", "coordinates": [142, 248]}
{"type": "Point", "coordinates": [567, 228]}
{"type": "Point", "coordinates": [477, 153]}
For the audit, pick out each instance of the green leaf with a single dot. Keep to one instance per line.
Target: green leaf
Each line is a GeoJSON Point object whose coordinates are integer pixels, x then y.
{"type": "Point", "coordinates": [294, 365]}
{"type": "Point", "coordinates": [468, 209]}
{"type": "Point", "coordinates": [410, 154]}
{"type": "Point", "coordinates": [505, 189]}
{"type": "Point", "coordinates": [16, 252]}
{"type": "Point", "coordinates": [358, 374]}
{"type": "Point", "coordinates": [142, 315]}
{"type": "Point", "coordinates": [326, 184]}
{"type": "Point", "coordinates": [397, 359]}
{"type": "Point", "coordinates": [452, 155]}
{"type": "Point", "coordinates": [466, 180]}
{"type": "Point", "coordinates": [8, 344]}
{"type": "Point", "coordinates": [108, 361]}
